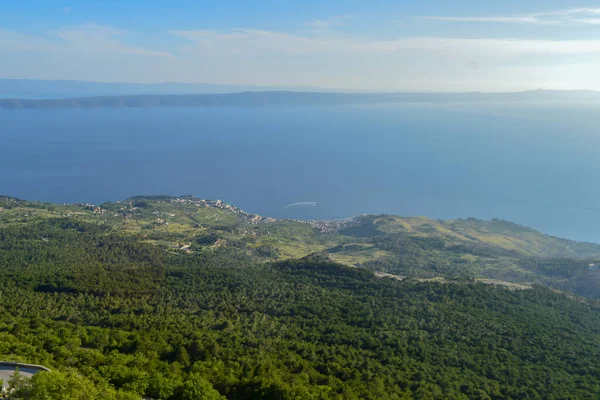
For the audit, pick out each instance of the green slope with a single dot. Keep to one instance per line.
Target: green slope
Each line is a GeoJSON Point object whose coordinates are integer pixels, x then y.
{"type": "Point", "coordinates": [121, 305]}
{"type": "Point", "coordinates": [415, 247]}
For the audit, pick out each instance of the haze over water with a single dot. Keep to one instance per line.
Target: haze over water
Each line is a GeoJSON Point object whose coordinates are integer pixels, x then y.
{"type": "Point", "coordinates": [534, 164]}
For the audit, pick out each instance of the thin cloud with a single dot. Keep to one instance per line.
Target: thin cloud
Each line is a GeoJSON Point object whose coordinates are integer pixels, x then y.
{"type": "Point", "coordinates": [588, 21]}
{"type": "Point", "coordinates": [319, 23]}
{"type": "Point", "coordinates": [18, 42]}
{"type": "Point", "coordinates": [67, 9]}
{"type": "Point", "coordinates": [101, 39]}
{"type": "Point", "coordinates": [318, 58]}
{"type": "Point", "coordinates": [250, 41]}
{"type": "Point", "coordinates": [526, 20]}
{"type": "Point", "coordinates": [81, 42]}
{"type": "Point", "coordinates": [568, 16]}
{"type": "Point", "coordinates": [335, 20]}
{"type": "Point", "coordinates": [569, 11]}
{"type": "Point", "coordinates": [403, 63]}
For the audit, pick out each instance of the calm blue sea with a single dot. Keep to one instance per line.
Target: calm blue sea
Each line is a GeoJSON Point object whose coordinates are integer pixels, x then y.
{"type": "Point", "coordinates": [537, 165]}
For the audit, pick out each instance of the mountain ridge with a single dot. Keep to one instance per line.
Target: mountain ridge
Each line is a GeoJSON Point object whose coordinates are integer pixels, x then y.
{"type": "Point", "coordinates": [65, 88]}
{"type": "Point", "coordinates": [288, 98]}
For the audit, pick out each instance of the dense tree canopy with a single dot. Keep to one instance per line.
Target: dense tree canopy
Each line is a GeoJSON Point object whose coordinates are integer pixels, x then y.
{"type": "Point", "coordinates": [116, 318]}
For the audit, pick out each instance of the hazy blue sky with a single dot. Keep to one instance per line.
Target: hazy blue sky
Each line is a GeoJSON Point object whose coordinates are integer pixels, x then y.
{"type": "Point", "coordinates": [379, 45]}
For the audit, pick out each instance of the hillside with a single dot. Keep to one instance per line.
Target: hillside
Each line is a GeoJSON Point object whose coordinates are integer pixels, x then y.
{"type": "Point", "coordinates": [414, 247]}
{"type": "Point", "coordinates": [180, 298]}
{"type": "Point", "coordinates": [288, 98]}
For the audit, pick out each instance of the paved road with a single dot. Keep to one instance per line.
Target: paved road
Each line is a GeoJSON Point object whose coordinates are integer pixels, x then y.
{"type": "Point", "coordinates": [6, 370]}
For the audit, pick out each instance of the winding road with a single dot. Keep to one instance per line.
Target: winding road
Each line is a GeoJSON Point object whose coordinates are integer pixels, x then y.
{"type": "Point", "coordinates": [27, 370]}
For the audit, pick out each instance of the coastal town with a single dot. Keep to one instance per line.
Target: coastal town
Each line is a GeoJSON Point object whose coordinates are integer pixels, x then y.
{"type": "Point", "coordinates": [135, 207]}
{"type": "Point", "coordinates": [322, 225]}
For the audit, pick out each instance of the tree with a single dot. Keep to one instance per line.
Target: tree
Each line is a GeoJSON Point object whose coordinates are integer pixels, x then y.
{"type": "Point", "coordinates": [182, 356]}
{"type": "Point", "coordinates": [198, 388]}
{"type": "Point", "coordinates": [61, 386]}
{"type": "Point", "coordinates": [18, 385]}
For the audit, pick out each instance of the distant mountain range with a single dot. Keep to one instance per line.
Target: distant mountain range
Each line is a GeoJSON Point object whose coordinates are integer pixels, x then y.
{"type": "Point", "coordinates": [61, 89]}
{"type": "Point", "coordinates": [290, 98]}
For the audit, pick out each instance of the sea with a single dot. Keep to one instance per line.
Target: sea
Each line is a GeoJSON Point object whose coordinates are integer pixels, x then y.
{"type": "Point", "coordinates": [536, 164]}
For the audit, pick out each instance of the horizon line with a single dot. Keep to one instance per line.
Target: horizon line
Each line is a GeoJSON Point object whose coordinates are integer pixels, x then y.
{"type": "Point", "coordinates": [283, 87]}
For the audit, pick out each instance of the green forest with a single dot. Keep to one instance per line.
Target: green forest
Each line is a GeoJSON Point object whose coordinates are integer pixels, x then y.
{"type": "Point", "coordinates": [121, 306]}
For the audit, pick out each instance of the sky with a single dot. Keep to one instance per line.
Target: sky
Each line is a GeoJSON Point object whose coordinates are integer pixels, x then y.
{"type": "Point", "coordinates": [371, 45]}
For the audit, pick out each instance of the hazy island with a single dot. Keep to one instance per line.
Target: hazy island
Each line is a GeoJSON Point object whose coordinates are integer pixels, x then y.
{"type": "Point", "coordinates": [289, 98]}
